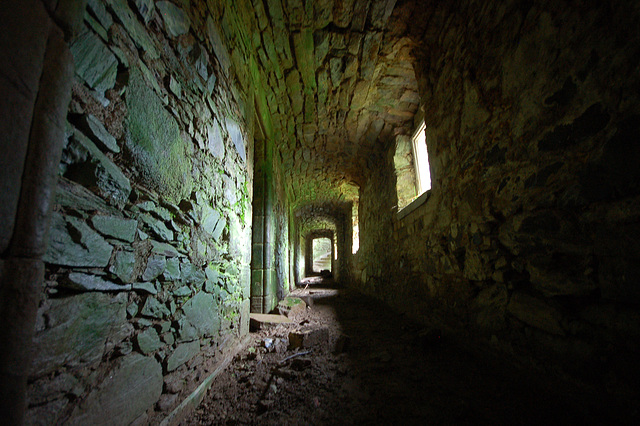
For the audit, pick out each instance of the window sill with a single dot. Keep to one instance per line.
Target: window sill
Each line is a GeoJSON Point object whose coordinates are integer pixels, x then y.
{"type": "Point", "coordinates": [409, 208]}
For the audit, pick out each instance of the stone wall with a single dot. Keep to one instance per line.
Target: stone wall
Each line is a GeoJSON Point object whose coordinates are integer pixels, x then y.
{"type": "Point", "coordinates": [529, 234]}
{"type": "Point", "coordinates": [147, 275]}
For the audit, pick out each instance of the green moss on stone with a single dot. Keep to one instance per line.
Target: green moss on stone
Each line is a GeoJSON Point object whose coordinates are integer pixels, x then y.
{"type": "Point", "coordinates": [155, 143]}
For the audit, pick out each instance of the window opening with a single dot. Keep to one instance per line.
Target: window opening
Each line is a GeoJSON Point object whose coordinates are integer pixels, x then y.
{"type": "Point", "coordinates": [421, 159]}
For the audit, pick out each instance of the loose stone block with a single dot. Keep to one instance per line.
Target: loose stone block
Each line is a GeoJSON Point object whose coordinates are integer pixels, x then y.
{"type": "Point", "coordinates": [308, 337]}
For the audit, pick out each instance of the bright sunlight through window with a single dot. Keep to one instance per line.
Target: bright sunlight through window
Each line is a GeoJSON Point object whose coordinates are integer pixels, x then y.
{"type": "Point", "coordinates": [423, 175]}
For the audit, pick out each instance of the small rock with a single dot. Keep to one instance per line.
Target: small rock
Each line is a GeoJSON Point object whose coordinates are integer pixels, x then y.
{"type": "Point", "coordinates": [167, 401]}
{"type": "Point", "coordinates": [308, 337]}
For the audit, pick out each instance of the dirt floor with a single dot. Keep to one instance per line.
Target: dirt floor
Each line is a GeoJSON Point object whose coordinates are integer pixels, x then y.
{"type": "Point", "coordinates": [364, 364]}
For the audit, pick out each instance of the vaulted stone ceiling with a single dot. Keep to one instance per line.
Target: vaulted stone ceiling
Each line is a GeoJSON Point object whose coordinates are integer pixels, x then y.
{"type": "Point", "coordinates": [337, 77]}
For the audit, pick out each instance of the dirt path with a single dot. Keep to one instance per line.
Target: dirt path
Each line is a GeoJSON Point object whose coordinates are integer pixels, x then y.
{"type": "Point", "coordinates": [388, 371]}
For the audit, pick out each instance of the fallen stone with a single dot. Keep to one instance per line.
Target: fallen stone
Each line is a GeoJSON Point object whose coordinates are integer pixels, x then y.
{"type": "Point", "coordinates": [308, 336]}
{"type": "Point", "coordinates": [134, 385]}
{"type": "Point", "coordinates": [167, 401]}
{"type": "Point", "coordinates": [116, 227]}
{"type": "Point", "coordinates": [258, 321]}
{"type": "Point", "coordinates": [148, 341]}
{"type": "Point", "coordinates": [87, 282]}
{"type": "Point", "coordinates": [182, 354]}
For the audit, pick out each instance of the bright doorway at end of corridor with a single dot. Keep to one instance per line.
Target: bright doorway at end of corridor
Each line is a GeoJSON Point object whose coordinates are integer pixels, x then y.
{"type": "Point", "coordinates": [321, 254]}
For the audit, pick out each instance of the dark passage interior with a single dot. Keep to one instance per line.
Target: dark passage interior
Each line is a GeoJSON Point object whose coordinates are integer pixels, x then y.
{"type": "Point", "coordinates": [173, 169]}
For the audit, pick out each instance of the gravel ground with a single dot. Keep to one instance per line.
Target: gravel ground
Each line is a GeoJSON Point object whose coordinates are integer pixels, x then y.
{"type": "Point", "coordinates": [364, 364]}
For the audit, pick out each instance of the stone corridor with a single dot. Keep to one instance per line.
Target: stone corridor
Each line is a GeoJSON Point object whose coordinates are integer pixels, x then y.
{"type": "Point", "coordinates": [169, 166]}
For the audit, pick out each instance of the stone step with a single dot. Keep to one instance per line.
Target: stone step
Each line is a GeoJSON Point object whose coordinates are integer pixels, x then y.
{"type": "Point", "coordinates": [257, 321]}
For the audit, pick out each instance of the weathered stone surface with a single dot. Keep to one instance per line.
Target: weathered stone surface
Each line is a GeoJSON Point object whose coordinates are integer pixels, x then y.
{"type": "Point", "coordinates": [155, 267]}
{"type": "Point", "coordinates": [163, 249]}
{"type": "Point", "coordinates": [78, 329]}
{"type": "Point", "coordinates": [94, 169]}
{"type": "Point", "coordinates": [87, 282]}
{"type": "Point", "coordinates": [192, 274]}
{"type": "Point", "coordinates": [154, 309]}
{"type": "Point", "coordinates": [75, 196]}
{"type": "Point", "coordinates": [135, 29]}
{"type": "Point", "coordinates": [201, 311]}
{"type": "Point", "coordinates": [215, 143]}
{"type": "Point", "coordinates": [95, 130]}
{"type": "Point", "coordinates": [210, 218]}
{"type": "Point", "coordinates": [148, 341]}
{"type": "Point", "coordinates": [117, 227]}
{"type": "Point", "coordinates": [95, 63]}
{"type": "Point", "coordinates": [45, 390]}
{"type": "Point", "coordinates": [536, 313]}
{"type": "Point", "coordinates": [123, 266]}
{"type": "Point", "coordinates": [145, 287]}
{"type": "Point", "coordinates": [182, 291]}
{"type": "Point", "coordinates": [157, 227]}
{"type": "Point", "coordinates": [236, 136]}
{"type": "Point", "coordinates": [73, 243]}
{"type": "Point", "coordinates": [134, 385]}
{"type": "Point", "coordinates": [172, 270]}
{"type": "Point", "coordinates": [182, 354]}
{"type": "Point", "coordinates": [145, 8]}
{"type": "Point", "coordinates": [176, 21]}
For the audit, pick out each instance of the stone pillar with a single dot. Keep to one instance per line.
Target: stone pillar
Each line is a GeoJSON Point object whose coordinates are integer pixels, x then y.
{"type": "Point", "coordinates": [263, 273]}
{"type": "Point", "coordinates": [37, 87]}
